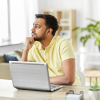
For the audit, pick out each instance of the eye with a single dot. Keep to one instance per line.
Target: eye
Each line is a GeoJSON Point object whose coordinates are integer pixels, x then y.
{"type": "Point", "coordinates": [37, 27]}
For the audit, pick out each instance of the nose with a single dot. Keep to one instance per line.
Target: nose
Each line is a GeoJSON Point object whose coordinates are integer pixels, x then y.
{"type": "Point", "coordinates": [33, 29]}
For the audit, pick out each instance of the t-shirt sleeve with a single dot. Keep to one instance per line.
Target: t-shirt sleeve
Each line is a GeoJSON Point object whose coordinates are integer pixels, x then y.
{"type": "Point", "coordinates": [30, 55]}
{"type": "Point", "coordinates": [66, 50]}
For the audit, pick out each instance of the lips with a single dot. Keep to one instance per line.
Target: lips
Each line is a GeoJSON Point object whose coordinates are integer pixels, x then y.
{"type": "Point", "coordinates": [33, 34]}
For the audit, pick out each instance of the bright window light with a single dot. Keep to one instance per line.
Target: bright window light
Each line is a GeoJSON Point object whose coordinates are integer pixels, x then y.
{"type": "Point", "coordinates": [17, 17]}
{"type": "Point", "coordinates": [16, 20]}
{"type": "Point", "coordinates": [3, 21]}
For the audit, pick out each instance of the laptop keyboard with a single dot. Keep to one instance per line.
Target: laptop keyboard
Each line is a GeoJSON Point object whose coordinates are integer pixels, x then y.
{"type": "Point", "coordinates": [55, 87]}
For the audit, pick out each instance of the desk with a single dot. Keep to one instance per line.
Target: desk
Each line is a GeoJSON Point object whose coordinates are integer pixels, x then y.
{"type": "Point", "coordinates": [8, 92]}
{"type": "Point", "coordinates": [93, 75]}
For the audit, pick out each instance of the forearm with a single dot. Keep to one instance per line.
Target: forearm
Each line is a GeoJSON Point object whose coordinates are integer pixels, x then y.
{"type": "Point", "coordinates": [61, 80]}
{"type": "Point", "coordinates": [24, 55]}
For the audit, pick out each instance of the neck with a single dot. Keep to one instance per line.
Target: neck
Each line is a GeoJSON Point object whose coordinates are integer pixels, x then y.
{"type": "Point", "coordinates": [46, 42]}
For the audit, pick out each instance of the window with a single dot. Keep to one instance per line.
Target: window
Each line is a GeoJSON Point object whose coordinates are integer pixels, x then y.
{"type": "Point", "coordinates": [16, 20]}
{"type": "Point", "coordinates": [3, 21]}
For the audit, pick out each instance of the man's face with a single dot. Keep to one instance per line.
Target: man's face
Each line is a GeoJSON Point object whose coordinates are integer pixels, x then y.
{"type": "Point", "coordinates": [39, 29]}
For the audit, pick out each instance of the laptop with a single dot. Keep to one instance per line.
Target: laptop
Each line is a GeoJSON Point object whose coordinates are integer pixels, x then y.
{"type": "Point", "coordinates": [31, 75]}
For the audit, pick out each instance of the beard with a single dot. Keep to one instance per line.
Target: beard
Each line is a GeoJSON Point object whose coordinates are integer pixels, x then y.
{"type": "Point", "coordinates": [39, 38]}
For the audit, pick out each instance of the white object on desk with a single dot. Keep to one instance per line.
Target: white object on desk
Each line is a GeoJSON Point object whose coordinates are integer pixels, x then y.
{"type": "Point", "coordinates": [74, 97]}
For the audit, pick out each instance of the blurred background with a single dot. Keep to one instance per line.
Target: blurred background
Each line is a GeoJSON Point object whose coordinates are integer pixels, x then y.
{"type": "Point", "coordinates": [17, 17]}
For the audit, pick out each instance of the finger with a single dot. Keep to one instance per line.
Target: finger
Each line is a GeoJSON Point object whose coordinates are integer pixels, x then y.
{"type": "Point", "coordinates": [32, 40]}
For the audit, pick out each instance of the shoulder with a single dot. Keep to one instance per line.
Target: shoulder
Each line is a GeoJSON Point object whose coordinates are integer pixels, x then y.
{"type": "Point", "coordinates": [62, 41]}
{"type": "Point", "coordinates": [64, 44]}
{"type": "Point", "coordinates": [66, 49]}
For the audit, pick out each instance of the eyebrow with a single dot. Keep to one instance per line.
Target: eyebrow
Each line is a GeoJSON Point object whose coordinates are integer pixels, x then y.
{"type": "Point", "coordinates": [36, 24]}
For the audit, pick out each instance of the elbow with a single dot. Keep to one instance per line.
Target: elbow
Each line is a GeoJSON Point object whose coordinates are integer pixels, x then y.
{"type": "Point", "coordinates": [70, 81]}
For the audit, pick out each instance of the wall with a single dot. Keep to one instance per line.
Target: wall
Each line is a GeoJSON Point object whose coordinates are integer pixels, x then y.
{"type": "Point", "coordinates": [63, 5]}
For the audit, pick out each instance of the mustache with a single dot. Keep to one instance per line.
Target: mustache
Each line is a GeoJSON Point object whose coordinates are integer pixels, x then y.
{"type": "Point", "coordinates": [33, 33]}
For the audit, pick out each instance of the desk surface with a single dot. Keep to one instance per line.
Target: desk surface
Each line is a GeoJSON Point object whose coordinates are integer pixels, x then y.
{"type": "Point", "coordinates": [8, 92]}
{"type": "Point", "coordinates": [92, 73]}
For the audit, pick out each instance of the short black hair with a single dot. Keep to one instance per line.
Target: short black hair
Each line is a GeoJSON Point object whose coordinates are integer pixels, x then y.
{"type": "Point", "coordinates": [50, 21]}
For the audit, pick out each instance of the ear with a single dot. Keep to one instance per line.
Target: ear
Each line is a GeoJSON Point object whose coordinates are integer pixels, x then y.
{"type": "Point", "coordinates": [49, 31]}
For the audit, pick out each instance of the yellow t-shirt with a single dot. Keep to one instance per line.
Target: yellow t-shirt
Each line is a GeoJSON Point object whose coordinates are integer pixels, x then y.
{"type": "Point", "coordinates": [58, 50]}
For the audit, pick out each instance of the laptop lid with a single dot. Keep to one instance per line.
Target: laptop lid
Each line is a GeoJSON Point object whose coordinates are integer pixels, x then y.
{"type": "Point", "coordinates": [30, 75]}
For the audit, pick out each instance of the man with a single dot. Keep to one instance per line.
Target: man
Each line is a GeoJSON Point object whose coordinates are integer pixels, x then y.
{"type": "Point", "coordinates": [56, 51]}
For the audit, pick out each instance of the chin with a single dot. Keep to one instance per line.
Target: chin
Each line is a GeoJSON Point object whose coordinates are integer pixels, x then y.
{"type": "Point", "coordinates": [36, 39]}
